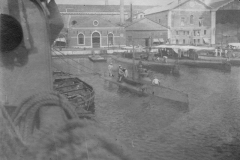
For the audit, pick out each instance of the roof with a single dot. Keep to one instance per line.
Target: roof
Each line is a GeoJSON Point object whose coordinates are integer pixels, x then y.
{"type": "Point", "coordinates": [145, 24]}
{"type": "Point", "coordinates": [219, 4]}
{"type": "Point", "coordinates": [100, 8]}
{"type": "Point", "coordinates": [87, 21]}
{"type": "Point", "coordinates": [171, 5]}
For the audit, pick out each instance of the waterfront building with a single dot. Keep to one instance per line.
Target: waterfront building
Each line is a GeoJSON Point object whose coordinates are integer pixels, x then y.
{"type": "Point", "coordinates": [145, 32]}
{"type": "Point", "coordinates": [227, 21]}
{"type": "Point", "coordinates": [96, 26]}
{"type": "Point", "coordinates": [188, 21]}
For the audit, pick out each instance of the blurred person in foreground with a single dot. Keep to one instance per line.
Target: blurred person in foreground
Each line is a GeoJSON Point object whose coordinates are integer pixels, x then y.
{"type": "Point", "coordinates": [71, 139]}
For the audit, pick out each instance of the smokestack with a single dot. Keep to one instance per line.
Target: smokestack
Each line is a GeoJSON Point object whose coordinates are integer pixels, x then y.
{"type": "Point", "coordinates": [106, 2]}
{"type": "Point", "coordinates": [131, 14]}
{"type": "Point", "coordinates": [121, 11]}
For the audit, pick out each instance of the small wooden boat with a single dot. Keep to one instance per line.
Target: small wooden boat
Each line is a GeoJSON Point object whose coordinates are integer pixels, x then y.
{"type": "Point", "coordinates": [78, 92]}
{"type": "Point", "coordinates": [166, 68]}
{"type": "Point", "coordinates": [97, 58]}
{"type": "Point", "coordinates": [145, 87]}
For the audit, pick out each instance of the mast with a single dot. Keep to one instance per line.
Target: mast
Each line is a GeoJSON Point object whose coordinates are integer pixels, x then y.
{"type": "Point", "coordinates": [133, 73]}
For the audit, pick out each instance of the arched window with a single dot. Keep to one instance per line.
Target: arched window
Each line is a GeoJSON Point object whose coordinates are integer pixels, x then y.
{"type": "Point", "coordinates": [81, 38]}
{"type": "Point", "coordinates": [191, 19]}
{"type": "Point", "coordinates": [110, 39]}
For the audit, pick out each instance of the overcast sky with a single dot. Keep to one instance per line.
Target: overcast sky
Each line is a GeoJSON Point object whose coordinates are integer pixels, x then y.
{"type": "Point", "coordinates": [116, 2]}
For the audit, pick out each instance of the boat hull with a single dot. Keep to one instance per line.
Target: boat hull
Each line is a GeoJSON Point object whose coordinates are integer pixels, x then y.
{"type": "Point", "coordinates": [165, 68]}
{"type": "Point", "coordinates": [97, 59]}
{"type": "Point", "coordinates": [151, 90]}
{"type": "Point", "coordinates": [79, 93]}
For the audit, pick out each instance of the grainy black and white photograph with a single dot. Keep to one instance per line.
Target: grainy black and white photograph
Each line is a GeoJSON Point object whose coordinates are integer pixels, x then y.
{"type": "Point", "coordinates": [119, 80]}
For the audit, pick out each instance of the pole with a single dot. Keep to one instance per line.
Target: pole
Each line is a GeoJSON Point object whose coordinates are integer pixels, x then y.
{"type": "Point", "coordinates": [133, 70]}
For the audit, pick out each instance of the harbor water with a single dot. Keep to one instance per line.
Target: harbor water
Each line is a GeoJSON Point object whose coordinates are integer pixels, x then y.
{"type": "Point", "coordinates": [208, 129]}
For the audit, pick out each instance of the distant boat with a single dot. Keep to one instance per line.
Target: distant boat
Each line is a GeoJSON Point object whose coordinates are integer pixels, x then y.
{"type": "Point", "coordinates": [78, 92]}
{"type": "Point", "coordinates": [167, 68]}
{"type": "Point", "coordinates": [97, 58]}
{"type": "Point", "coordinates": [195, 61]}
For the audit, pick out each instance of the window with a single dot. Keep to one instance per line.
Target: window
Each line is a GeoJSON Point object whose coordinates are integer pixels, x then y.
{"type": "Point", "coordinates": [110, 39]}
{"type": "Point", "coordinates": [95, 23]}
{"type": "Point", "coordinates": [191, 19]}
{"type": "Point", "coordinates": [130, 38]}
{"type": "Point", "coordinates": [182, 21]}
{"type": "Point", "coordinates": [177, 33]}
{"type": "Point", "coordinates": [205, 32]}
{"type": "Point", "coordinates": [159, 21]}
{"type": "Point", "coordinates": [198, 41]}
{"type": "Point", "coordinates": [194, 41]}
{"type": "Point", "coordinates": [177, 41]}
{"type": "Point", "coordinates": [200, 22]}
{"type": "Point", "coordinates": [80, 38]}
{"type": "Point", "coordinates": [183, 41]}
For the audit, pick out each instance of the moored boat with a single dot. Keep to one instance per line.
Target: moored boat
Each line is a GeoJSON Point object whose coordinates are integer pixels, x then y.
{"type": "Point", "coordinates": [161, 67]}
{"type": "Point", "coordinates": [97, 58]}
{"type": "Point", "coordinates": [78, 92]}
{"type": "Point", "coordinates": [145, 87]}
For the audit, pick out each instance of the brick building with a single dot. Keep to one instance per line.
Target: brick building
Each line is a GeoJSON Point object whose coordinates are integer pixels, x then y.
{"type": "Point", "coordinates": [96, 26]}
{"type": "Point", "coordinates": [94, 32]}
{"type": "Point", "coordinates": [145, 32]}
{"type": "Point", "coordinates": [188, 21]}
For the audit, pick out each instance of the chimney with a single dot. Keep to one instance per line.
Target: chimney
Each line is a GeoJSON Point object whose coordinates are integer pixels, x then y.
{"type": "Point", "coordinates": [131, 13]}
{"type": "Point", "coordinates": [121, 11]}
{"type": "Point", "coordinates": [106, 2]}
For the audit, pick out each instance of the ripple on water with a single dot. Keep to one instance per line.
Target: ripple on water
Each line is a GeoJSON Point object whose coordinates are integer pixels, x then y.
{"type": "Point", "coordinates": [208, 130]}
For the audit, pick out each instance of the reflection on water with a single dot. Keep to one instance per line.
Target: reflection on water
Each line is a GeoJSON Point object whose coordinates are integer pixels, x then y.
{"type": "Point", "coordinates": [209, 129]}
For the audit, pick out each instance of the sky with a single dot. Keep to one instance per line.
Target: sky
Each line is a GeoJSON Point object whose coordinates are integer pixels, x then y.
{"type": "Point", "coordinates": [117, 2]}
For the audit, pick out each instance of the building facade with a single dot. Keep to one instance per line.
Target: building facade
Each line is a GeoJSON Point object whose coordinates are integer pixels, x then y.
{"type": "Point", "coordinates": [227, 21]}
{"type": "Point", "coordinates": [188, 21]}
{"type": "Point", "coordinates": [145, 32]}
{"type": "Point", "coordinates": [96, 26]}
{"type": "Point", "coordinates": [94, 32]}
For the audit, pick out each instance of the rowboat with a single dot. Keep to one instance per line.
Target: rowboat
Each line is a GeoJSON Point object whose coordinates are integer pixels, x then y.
{"type": "Point", "coordinates": [78, 92]}
{"type": "Point", "coordinates": [97, 58]}
{"type": "Point", "coordinates": [166, 68]}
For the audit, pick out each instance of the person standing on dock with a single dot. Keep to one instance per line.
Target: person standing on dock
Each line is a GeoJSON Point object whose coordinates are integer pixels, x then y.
{"type": "Point", "coordinates": [125, 72]}
{"type": "Point", "coordinates": [120, 73]}
{"type": "Point", "coordinates": [216, 52]}
{"type": "Point", "coordinates": [110, 67]}
{"type": "Point", "coordinates": [156, 81]}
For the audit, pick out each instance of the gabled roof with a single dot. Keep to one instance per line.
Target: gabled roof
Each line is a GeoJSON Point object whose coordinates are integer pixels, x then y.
{"type": "Point", "coordinates": [219, 4]}
{"type": "Point", "coordinates": [100, 8]}
{"type": "Point", "coordinates": [171, 5]}
{"type": "Point", "coordinates": [145, 24]}
{"type": "Point", "coordinates": [87, 21]}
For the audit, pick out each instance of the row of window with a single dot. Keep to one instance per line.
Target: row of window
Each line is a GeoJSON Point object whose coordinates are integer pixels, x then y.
{"type": "Point", "coordinates": [195, 41]}
{"type": "Point", "coordinates": [102, 32]}
{"type": "Point", "coordinates": [96, 36]}
{"type": "Point", "coordinates": [195, 32]}
{"type": "Point", "coordinates": [191, 21]}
